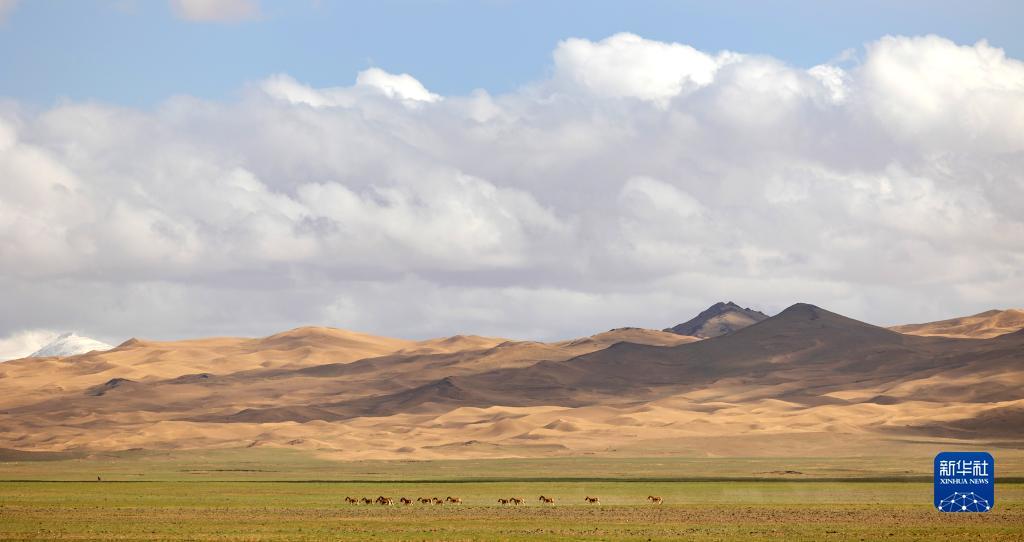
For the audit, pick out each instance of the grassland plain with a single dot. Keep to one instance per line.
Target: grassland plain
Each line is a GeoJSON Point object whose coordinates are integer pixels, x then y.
{"type": "Point", "coordinates": [281, 495]}
{"type": "Point", "coordinates": [749, 510]}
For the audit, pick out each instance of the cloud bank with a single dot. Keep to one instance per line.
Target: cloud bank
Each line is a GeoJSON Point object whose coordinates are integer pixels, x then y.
{"type": "Point", "coordinates": [635, 185]}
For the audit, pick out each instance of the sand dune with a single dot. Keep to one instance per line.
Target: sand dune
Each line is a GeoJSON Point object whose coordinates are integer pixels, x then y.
{"type": "Point", "coordinates": [633, 335]}
{"type": "Point", "coordinates": [142, 360]}
{"type": "Point", "coordinates": [840, 385]}
{"type": "Point", "coordinates": [455, 343]}
{"type": "Point", "coordinates": [983, 325]}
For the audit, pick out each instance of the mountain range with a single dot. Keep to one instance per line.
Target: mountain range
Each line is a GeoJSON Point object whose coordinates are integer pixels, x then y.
{"type": "Point", "coordinates": [806, 381]}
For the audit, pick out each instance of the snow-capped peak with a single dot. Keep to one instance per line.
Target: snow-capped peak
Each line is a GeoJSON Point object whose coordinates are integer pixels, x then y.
{"type": "Point", "coordinates": [69, 344]}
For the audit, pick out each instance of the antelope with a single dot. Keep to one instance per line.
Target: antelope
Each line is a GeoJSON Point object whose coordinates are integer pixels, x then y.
{"type": "Point", "coordinates": [655, 500]}
{"type": "Point", "coordinates": [547, 500]}
{"type": "Point", "coordinates": [366, 500]}
{"type": "Point", "coordinates": [592, 500]}
{"type": "Point", "coordinates": [350, 500]}
{"type": "Point", "coordinates": [503, 501]}
{"type": "Point", "coordinates": [437, 500]}
{"type": "Point", "coordinates": [405, 501]}
{"type": "Point", "coordinates": [424, 500]}
{"type": "Point", "coordinates": [516, 500]}
{"type": "Point", "coordinates": [453, 500]}
{"type": "Point", "coordinates": [385, 501]}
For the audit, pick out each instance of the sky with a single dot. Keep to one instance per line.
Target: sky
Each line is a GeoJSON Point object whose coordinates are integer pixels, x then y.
{"type": "Point", "coordinates": [537, 170]}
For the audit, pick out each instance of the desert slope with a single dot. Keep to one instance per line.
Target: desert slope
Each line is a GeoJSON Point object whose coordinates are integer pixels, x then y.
{"type": "Point", "coordinates": [983, 325]}
{"type": "Point", "coordinates": [294, 367]}
{"type": "Point", "coordinates": [145, 360]}
{"type": "Point", "coordinates": [804, 381]}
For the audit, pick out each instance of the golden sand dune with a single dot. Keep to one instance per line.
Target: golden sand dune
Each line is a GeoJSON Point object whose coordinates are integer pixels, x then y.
{"type": "Point", "coordinates": [983, 325]}
{"type": "Point", "coordinates": [455, 343]}
{"type": "Point", "coordinates": [140, 360]}
{"type": "Point", "coordinates": [804, 381]}
{"type": "Point", "coordinates": [636, 335]}
{"type": "Point", "coordinates": [281, 371]}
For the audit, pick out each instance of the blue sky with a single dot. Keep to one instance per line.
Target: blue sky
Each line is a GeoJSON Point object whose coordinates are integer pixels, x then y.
{"type": "Point", "coordinates": [181, 168]}
{"type": "Point", "coordinates": [138, 52]}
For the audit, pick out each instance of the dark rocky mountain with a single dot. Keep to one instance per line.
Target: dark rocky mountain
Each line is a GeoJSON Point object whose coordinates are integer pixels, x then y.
{"type": "Point", "coordinates": [718, 319]}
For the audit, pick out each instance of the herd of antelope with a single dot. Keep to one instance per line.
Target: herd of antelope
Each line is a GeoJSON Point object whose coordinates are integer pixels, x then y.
{"type": "Point", "coordinates": [511, 501]}
{"type": "Point", "coordinates": [388, 501]}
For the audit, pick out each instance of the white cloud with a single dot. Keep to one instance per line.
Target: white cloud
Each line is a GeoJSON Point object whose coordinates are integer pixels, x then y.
{"type": "Point", "coordinates": [832, 78]}
{"type": "Point", "coordinates": [23, 343]}
{"type": "Point", "coordinates": [640, 182]}
{"type": "Point", "coordinates": [626, 65]}
{"type": "Point", "coordinates": [403, 88]}
{"type": "Point", "coordinates": [284, 87]}
{"type": "Point", "coordinates": [929, 90]}
{"type": "Point", "coordinates": [647, 197]}
{"type": "Point", "coordinates": [216, 10]}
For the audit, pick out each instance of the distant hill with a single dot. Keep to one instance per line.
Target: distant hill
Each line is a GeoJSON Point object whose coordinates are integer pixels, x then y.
{"type": "Point", "coordinates": [806, 381]}
{"type": "Point", "coordinates": [718, 319]}
{"type": "Point", "coordinates": [984, 325]}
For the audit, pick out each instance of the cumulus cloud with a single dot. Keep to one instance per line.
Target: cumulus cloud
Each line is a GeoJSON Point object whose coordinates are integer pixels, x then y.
{"type": "Point", "coordinates": [215, 10]}
{"type": "Point", "coordinates": [640, 182]}
{"type": "Point", "coordinates": [403, 88]}
{"type": "Point", "coordinates": [626, 65]}
{"type": "Point", "coordinates": [929, 90]}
